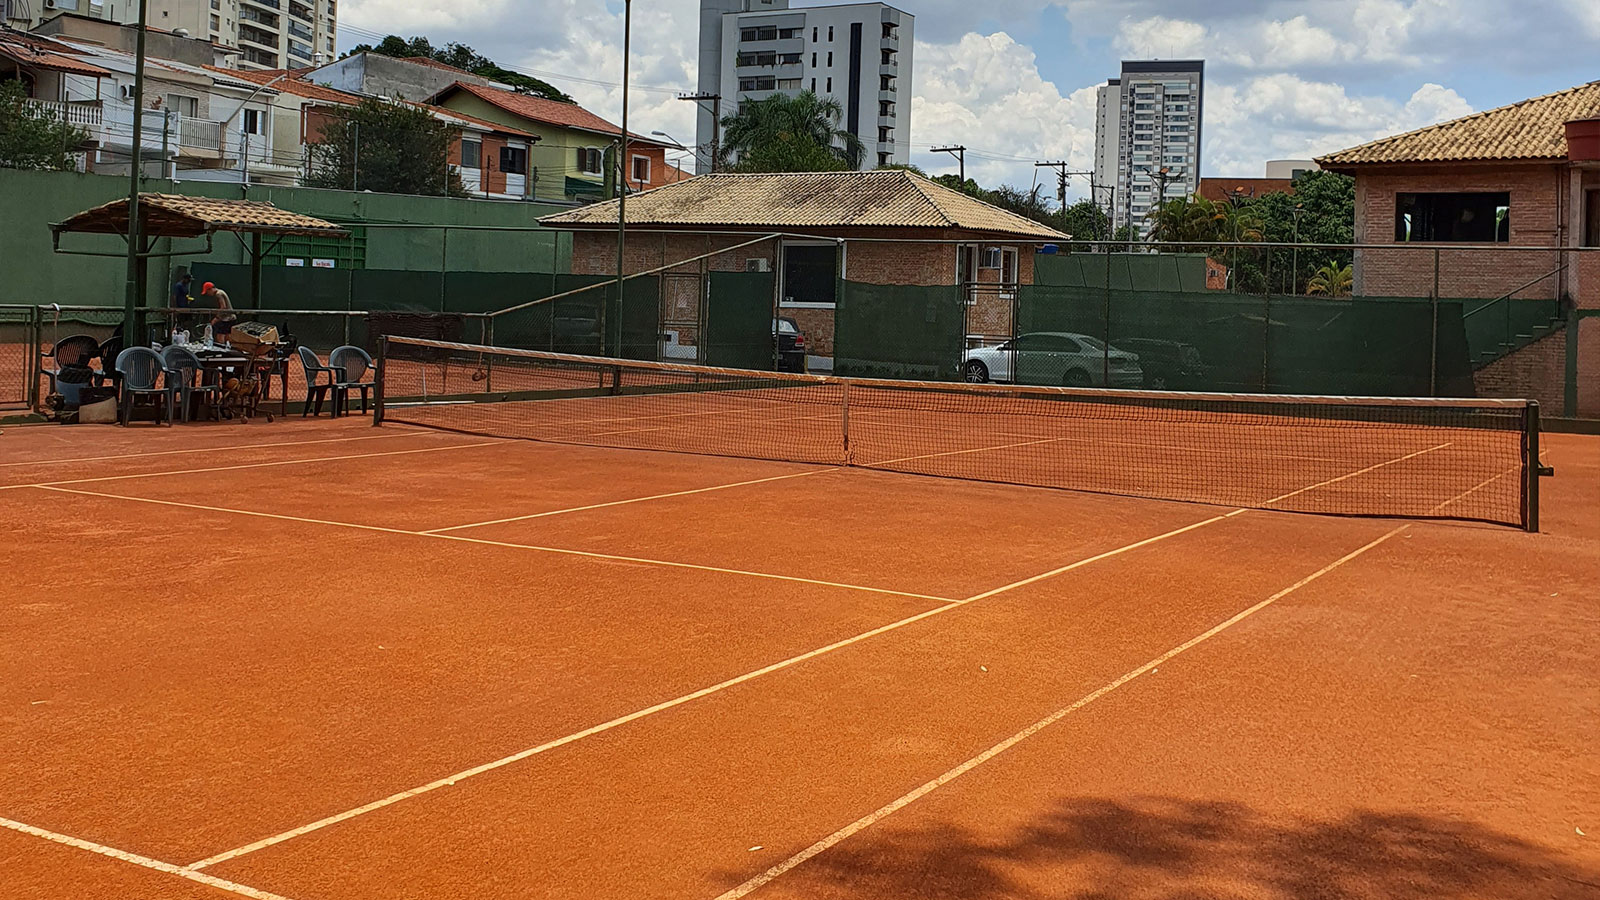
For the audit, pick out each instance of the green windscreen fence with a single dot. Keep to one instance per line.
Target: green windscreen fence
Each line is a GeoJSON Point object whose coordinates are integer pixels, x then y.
{"type": "Point", "coordinates": [738, 330]}
{"type": "Point", "coordinates": [898, 331]}
{"type": "Point", "coordinates": [1227, 342]}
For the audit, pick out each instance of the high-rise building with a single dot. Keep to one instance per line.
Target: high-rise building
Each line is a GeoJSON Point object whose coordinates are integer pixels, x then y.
{"type": "Point", "coordinates": [1147, 137]}
{"type": "Point", "coordinates": [1107, 112]}
{"type": "Point", "coordinates": [858, 54]}
{"type": "Point", "coordinates": [269, 34]}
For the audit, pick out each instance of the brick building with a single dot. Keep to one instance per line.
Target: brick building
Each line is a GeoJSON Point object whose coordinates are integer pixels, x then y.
{"type": "Point", "coordinates": [1487, 207]}
{"type": "Point", "coordinates": [885, 227]}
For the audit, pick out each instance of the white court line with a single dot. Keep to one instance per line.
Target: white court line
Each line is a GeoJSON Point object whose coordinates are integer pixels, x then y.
{"type": "Point", "coordinates": [559, 512]}
{"type": "Point", "coordinates": [220, 884]}
{"type": "Point", "coordinates": [913, 796]}
{"type": "Point", "coordinates": [703, 692]}
{"type": "Point", "coordinates": [612, 557]}
{"type": "Point", "coordinates": [679, 701]}
{"type": "Point", "coordinates": [78, 459]}
{"type": "Point", "coordinates": [256, 465]}
{"type": "Point", "coordinates": [1370, 468]}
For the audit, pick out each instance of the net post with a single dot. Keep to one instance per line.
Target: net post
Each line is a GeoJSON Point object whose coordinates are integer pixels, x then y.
{"type": "Point", "coordinates": [379, 381]}
{"type": "Point", "coordinates": [844, 419]}
{"type": "Point", "coordinates": [1530, 466]}
{"type": "Point", "coordinates": [616, 379]}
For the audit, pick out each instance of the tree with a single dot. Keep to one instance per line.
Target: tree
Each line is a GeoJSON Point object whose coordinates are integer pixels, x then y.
{"type": "Point", "coordinates": [391, 148]}
{"type": "Point", "coordinates": [463, 57]}
{"type": "Point", "coordinates": [784, 133]}
{"type": "Point", "coordinates": [1086, 221]}
{"type": "Point", "coordinates": [1187, 220]}
{"type": "Point", "coordinates": [35, 138]}
{"type": "Point", "coordinates": [1332, 280]}
{"type": "Point", "coordinates": [1125, 233]}
{"type": "Point", "coordinates": [1326, 202]}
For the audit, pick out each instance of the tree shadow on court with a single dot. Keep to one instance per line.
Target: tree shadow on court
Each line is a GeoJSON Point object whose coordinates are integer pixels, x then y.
{"type": "Point", "coordinates": [1153, 848]}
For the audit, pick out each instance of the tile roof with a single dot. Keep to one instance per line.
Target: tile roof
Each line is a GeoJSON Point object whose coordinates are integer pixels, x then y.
{"type": "Point", "coordinates": [886, 198]}
{"type": "Point", "coordinates": [322, 93]}
{"type": "Point", "coordinates": [178, 215]}
{"type": "Point", "coordinates": [538, 109]}
{"type": "Point", "coordinates": [36, 50]}
{"type": "Point", "coordinates": [1529, 130]}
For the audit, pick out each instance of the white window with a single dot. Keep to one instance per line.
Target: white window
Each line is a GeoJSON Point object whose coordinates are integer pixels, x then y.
{"type": "Point", "coordinates": [471, 154]}
{"type": "Point", "coordinates": [641, 169]}
{"type": "Point", "coordinates": [183, 106]}
{"type": "Point", "coordinates": [253, 122]}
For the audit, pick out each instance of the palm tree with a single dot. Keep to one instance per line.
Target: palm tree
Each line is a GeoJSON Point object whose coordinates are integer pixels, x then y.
{"type": "Point", "coordinates": [791, 133]}
{"type": "Point", "coordinates": [1186, 220]}
{"type": "Point", "coordinates": [1332, 280]}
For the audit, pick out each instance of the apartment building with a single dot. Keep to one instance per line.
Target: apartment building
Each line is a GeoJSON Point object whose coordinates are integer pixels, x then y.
{"type": "Point", "coordinates": [858, 54]}
{"type": "Point", "coordinates": [1149, 122]}
{"type": "Point", "coordinates": [269, 34]}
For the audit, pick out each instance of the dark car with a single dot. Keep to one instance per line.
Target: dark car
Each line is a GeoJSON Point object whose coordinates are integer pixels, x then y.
{"type": "Point", "coordinates": [791, 344]}
{"type": "Point", "coordinates": [1168, 365]}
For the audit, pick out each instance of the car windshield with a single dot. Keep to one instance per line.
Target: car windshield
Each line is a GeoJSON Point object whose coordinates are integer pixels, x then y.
{"type": "Point", "coordinates": [787, 327]}
{"type": "Point", "coordinates": [1091, 343]}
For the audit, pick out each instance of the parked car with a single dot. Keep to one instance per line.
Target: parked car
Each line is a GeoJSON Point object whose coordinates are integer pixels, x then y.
{"type": "Point", "coordinates": [1167, 365]}
{"type": "Point", "coordinates": [1054, 357]}
{"type": "Point", "coordinates": [791, 344]}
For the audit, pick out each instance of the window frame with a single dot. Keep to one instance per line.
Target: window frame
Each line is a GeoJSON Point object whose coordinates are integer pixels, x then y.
{"type": "Point", "coordinates": [783, 273]}
{"type": "Point", "coordinates": [1413, 217]}
{"type": "Point", "coordinates": [633, 168]}
{"type": "Point", "coordinates": [477, 157]}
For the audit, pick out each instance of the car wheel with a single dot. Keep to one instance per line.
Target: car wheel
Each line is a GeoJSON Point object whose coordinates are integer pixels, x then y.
{"type": "Point", "coordinates": [976, 372]}
{"type": "Point", "coordinates": [1076, 378]}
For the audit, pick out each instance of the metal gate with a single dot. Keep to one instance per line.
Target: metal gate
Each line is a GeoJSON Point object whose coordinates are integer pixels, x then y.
{"type": "Point", "coordinates": [18, 346]}
{"type": "Point", "coordinates": [682, 317]}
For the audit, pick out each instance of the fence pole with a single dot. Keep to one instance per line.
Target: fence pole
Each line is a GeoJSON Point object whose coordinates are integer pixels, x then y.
{"type": "Point", "coordinates": [1433, 348]}
{"type": "Point", "coordinates": [379, 380]}
{"type": "Point", "coordinates": [1530, 466]}
{"type": "Point", "coordinates": [1266, 328]}
{"type": "Point", "coordinates": [1105, 354]}
{"type": "Point", "coordinates": [444, 264]}
{"type": "Point", "coordinates": [35, 332]}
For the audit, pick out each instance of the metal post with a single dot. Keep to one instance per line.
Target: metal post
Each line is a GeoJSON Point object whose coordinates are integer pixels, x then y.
{"type": "Point", "coordinates": [716, 130]}
{"type": "Point", "coordinates": [166, 128]}
{"type": "Point", "coordinates": [1107, 336]}
{"type": "Point", "coordinates": [244, 158]}
{"type": "Point", "coordinates": [444, 266]}
{"type": "Point", "coordinates": [379, 380]}
{"type": "Point", "coordinates": [255, 271]}
{"type": "Point", "coordinates": [622, 194]}
{"type": "Point", "coordinates": [1530, 466]}
{"type": "Point", "coordinates": [134, 292]}
{"type": "Point", "coordinates": [1433, 351]}
{"type": "Point", "coordinates": [844, 418]}
{"type": "Point", "coordinates": [355, 155]}
{"type": "Point", "coordinates": [1266, 328]}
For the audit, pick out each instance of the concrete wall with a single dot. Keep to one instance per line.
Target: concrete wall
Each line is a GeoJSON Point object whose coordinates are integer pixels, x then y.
{"type": "Point", "coordinates": [385, 76]}
{"type": "Point", "coordinates": [33, 274]}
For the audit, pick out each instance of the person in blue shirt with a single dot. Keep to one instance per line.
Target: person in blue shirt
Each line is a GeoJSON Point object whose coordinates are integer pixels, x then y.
{"type": "Point", "coordinates": [180, 291]}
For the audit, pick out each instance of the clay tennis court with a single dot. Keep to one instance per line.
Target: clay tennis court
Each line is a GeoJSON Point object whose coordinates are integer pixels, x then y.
{"type": "Point", "coordinates": [323, 660]}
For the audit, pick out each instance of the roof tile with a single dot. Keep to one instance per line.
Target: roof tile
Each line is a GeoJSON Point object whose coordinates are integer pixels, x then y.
{"type": "Point", "coordinates": [886, 198]}
{"type": "Point", "coordinates": [1529, 130]}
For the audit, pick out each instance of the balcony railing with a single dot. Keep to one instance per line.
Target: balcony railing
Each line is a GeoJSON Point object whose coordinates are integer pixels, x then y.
{"type": "Point", "coordinates": [87, 113]}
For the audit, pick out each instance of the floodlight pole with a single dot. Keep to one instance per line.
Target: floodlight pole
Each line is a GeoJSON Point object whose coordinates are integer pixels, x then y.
{"type": "Point", "coordinates": [135, 287]}
{"type": "Point", "coordinates": [622, 183]}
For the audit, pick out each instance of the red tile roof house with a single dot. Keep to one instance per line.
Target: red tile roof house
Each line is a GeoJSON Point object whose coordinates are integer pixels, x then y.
{"type": "Point", "coordinates": [568, 161]}
{"type": "Point", "coordinates": [815, 210]}
{"type": "Point", "coordinates": [478, 140]}
{"type": "Point", "coordinates": [1465, 191]}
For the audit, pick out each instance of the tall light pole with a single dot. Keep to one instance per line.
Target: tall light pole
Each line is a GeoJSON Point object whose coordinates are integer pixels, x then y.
{"type": "Point", "coordinates": [622, 195]}
{"type": "Point", "coordinates": [679, 144]}
{"type": "Point", "coordinates": [716, 124]}
{"type": "Point", "coordinates": [1294, 273]}
{"type": "Point", "coordinates": [135, 287]}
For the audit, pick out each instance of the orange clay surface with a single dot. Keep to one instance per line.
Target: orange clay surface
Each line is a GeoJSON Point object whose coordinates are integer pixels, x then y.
{"type": "Point", "coordinates": [314, 659]}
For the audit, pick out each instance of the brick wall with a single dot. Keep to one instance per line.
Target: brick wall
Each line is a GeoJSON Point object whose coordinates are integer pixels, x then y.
{"type": "Point", "coordinates": [866, 261]}
{"type": "Point", "coordinates": [1536, 372]}
{"type": "Point", "coordinates": [1465, 270]}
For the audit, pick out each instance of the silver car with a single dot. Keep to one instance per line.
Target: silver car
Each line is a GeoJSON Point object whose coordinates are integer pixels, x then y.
{"type": "Point", "coordinates": [1054, 357]}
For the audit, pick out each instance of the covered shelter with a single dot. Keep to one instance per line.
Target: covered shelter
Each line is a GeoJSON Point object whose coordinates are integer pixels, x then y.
{"type": "Point", "coordinates": [182, 216]}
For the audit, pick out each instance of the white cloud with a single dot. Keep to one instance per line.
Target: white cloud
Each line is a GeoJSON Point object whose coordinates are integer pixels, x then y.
{"type": "Point", "coordinates": [1284, 116]}
{"type": "Point", "coordinates": [985, 91]}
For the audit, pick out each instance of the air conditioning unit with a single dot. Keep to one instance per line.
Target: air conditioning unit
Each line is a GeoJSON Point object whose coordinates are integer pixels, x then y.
{"type": "Point", "coordinates": [49, 4]}
{"type": "Point", "coordinates": [758, 264]}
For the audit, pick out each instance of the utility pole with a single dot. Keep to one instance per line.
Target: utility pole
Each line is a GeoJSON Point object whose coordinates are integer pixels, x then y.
{"type": "Point", "coordinates": [960, 153]}
{"type": "Point", "coordinates": [716, 121]}
{"type": "Point", "coordinates": [135, 287]}
{"type": "Point", "coordinates": [1062, 173]}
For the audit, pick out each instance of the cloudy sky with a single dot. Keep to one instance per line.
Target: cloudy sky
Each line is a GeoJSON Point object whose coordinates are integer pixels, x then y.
{"type": "Point", "coordinates": [1014, 80]}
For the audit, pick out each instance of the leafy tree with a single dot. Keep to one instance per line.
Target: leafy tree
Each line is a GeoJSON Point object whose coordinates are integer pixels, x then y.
{"type": "Point", "coordinates": [1326, 202]}
{"type": "Point", "coordinates": [904, 167]}
{"type": "Point", "coordinates": [1125, 233]}
{"type": "Point", "coordinates": [35, 138]}
{"type": "Point", "coordinates": [1187, 220]}
{"type": "Point", "coordinates": [464, 57]}
{"type": "Point", "coordinates": [1332, 280]}
{"type": "Point", "coordinates": [790, 133]}
{"type": "Point", "coordinates": [1028, 204]}
{"type": "Point", "coordinates": [1086, 221]}
{"type": "Point", "coordinates": [968, 187]}
{"type": "Point", "coordinates": [391, 148]}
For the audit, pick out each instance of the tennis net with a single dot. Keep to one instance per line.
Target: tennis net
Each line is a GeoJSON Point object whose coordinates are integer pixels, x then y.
{"type": "Point", "coordinates": [1405, 457]}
